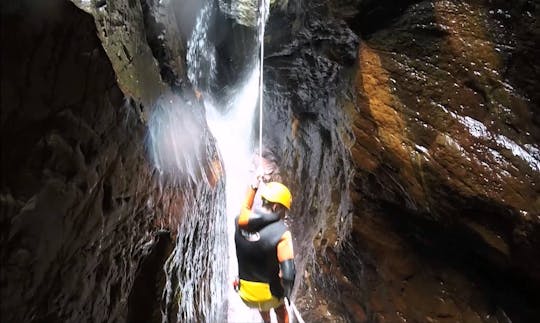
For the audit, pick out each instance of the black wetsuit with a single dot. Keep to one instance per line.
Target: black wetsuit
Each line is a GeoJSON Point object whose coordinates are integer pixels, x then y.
{"type": "Point", "coordinates": [256, 249]}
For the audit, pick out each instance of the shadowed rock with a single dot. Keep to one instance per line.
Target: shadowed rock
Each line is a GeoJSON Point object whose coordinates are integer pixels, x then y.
{"type": "Point", "coordinates": [443, 150]}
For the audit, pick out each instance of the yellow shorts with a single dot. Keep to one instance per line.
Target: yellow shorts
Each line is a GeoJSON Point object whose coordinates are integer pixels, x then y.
{"type": "Point", "coordinates": [257, 295]}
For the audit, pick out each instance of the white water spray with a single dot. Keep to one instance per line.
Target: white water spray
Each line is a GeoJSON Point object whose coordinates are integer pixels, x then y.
{"type": "Point", "coordinates": [201, 54]}
{"type": "Point", "coordinates": [233, 132]}
{"type": "Point", "coordinates": [262, 22]}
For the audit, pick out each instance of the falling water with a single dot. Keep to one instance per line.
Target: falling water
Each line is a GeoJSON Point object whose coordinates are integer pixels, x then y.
{"type": "Point", "coordinates": [233, 132]}
{"type": "Point", "coordinates": [203, 263]}
{"type": "Point", "coordinates": [183, 153]}
{"type": "Point", "coordinates": [201, 55]}
{"type": "Point", "coordinates": [196, 271]}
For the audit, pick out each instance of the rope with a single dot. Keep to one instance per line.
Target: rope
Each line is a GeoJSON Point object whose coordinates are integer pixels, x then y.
{"type": "Point", "coordinates": [262, 8]}
{"type": "Point", "coordinates": [291, 309]}
{"type": "Point", "coordinates": [297, 314]}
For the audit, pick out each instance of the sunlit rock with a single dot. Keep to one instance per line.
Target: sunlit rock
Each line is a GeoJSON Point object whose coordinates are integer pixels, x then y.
{"type": "Point", "coordinates": [88, 219]}
{"type": "Point", "coordinates": [444, 153]}
{"type": "Point", "coordinates": [408, 132]}
{"type": "Point", "coordinates": [248, 12]}
{"type": "Point", "coordinates": [75, 219]}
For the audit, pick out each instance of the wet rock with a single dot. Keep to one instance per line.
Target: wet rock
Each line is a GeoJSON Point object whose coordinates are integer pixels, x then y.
{"type": "Point", "coordinates": [122, 30]}
{"type": "Point", "coordinates": [476, 153]}
{"type": "Point", "coordinates": [77, 187]}
{"type": "Point", "coordinates": [165, 39]}
{"type": "Point", "coordinates": [408, 132]}
{"type": "Point", "coordinates": [442, 139]}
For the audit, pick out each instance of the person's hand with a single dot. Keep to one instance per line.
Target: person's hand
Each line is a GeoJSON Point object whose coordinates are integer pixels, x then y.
{"type": "Point", "coordinates": [266, 176]}
{"type": "Point", "coordinates": [257, 178]}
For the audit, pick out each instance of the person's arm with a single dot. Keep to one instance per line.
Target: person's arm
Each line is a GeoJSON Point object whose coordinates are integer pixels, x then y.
{"type": "Point", "coordinates": [245, 212]}
{"type": "Point", "coordinates": [286, 262]}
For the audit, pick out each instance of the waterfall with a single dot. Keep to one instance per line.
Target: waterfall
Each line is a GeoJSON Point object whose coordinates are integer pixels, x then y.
{"type": "Point", "coordinates": [233, 134]}
{"type": "Point", "coordinates": [183, 153]}
{"type": "Point", "coordinates": [200, 269]}
{"type": "Point", "coordinates": [201, 54]}
{"type": "Point", "coordinates": [196, 270]}
{"type": "Point", "coordinates": [233, 130]}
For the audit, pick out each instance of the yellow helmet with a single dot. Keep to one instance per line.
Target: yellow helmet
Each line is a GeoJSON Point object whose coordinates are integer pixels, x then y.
{"type": "Point", "coordinates": [277, 193]}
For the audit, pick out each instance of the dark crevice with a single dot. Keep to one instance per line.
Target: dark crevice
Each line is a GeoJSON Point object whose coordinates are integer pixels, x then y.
{"type": "Point", "coordinates": [145, 296]}
{"type": "Point", "coordinates": [101, 3]}
{"type": "Point", "coordinates": [375, 15]}
{"type": "Point", "coordinates": [107, 202]}
{"type": "Point", "coordinates": [236, 49]}
{"type": "Point", "coordinates": [475, 87]}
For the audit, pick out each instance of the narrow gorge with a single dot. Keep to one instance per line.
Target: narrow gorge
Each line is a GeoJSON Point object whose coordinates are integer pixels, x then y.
{"type": "Point", "coordinates": [408, 132]}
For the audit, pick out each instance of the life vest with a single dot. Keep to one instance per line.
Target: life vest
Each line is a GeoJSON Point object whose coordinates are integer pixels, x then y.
{"type": "Point", "coordinates": [256, 251]}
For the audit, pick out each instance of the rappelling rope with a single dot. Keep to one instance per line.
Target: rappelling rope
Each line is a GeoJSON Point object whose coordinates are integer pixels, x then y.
{"type": "Point", "coordinates": [291, 309]}
{"type": "Point", "coordinates": [262, 8]}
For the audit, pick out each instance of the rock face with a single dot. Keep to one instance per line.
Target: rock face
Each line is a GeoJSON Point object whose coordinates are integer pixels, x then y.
{"type": "Point", "coordinates": [457, 170]}
{"type": "Point", "coordinates": [440, 114]}
{"type": "Point", "coordinates": [87, 221]}
{"type": "Point", "coordinates": [408, 132]}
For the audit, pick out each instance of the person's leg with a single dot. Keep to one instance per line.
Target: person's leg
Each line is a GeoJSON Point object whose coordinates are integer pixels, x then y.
{"type": "Point", "coordinates": [265, 316]}
{"type": "Point", "coordinates": [281, 314]}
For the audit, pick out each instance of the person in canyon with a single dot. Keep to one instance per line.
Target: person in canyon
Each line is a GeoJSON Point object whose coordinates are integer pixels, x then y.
{"type": "Point", "coordinates": [264, 250]}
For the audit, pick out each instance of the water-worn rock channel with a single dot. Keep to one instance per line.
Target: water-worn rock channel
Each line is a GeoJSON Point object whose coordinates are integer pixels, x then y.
{"type": "Point", "coordinates": [408, 132]}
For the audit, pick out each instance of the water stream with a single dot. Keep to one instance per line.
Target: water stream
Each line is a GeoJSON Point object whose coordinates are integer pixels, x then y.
{"type": "Point", "coordinates": [195, 273]}
{"type": "Point", "coordinates": [233, 130]}
{"type": "Point", "coordinates": [233, 133]}
{"type": "Point", "coordinates": [200, 271]}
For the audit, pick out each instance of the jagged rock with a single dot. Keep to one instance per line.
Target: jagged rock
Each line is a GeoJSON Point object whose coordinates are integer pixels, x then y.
{"type": "Point", "coordinates": [442, 129]}
{"type": "Point", "coordinates": [75, 218]}
{"type": "Point", "coordinates": [408, 132]}
{"type": "Point", "coordinates": [144, 45]}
